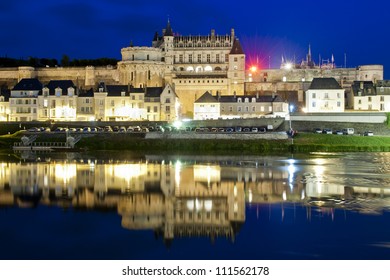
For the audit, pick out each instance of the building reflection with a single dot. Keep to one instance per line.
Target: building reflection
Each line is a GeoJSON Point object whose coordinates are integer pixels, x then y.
{"type": "Point", "coordinates": [182, 198]}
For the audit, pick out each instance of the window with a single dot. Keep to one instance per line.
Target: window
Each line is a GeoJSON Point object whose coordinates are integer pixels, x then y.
{"type": "Point", "coordinates": [369, 99]}
{"type": "Point", "coordinates": [313, 104]}
{"type": "Point", "coordinates": [155, 109]}
{"type": "Point", "coordinates": [253, 109]}
{"type": "Point", "coordinates": [313, 95]}
{"type": "Point", "coordinates": [338, 95]}
{"type": "Point", "coordinates": [123, 102]}
{"type": "Point", "coordinates": [223, 109]}
{"type": "Point", "coordinates": [167, 100]}
{"type": "Point", "coordinates": [148, 109]}
{"type": "Point", "coordinates": [199, 58]}
{"type": "Point", "coordinates": [208, 57]}
{"type": "Point", "coordinates": [359, 101]}
{"type": "Point", "coordinates": [190, 58]}
{"type": "Point", "coordinates": [326, 95]}
{"type": "Point", "coordinates": [239, 108]}
{"type": "Point", "coordinates": [180, 58]}
{"type": "Point", "coordinates": [168, 109]}
{"type": "Point", "coordinates": [382, 98]}
{"type": "Point", "coordinates": [112, 103]}
{"type": "Point", "coordinates": [246, 109]}
{"type": "Point", "coordinates": [226, 57]}
{"type": "Point", "coordinates": [217, 58]}
{"type": "Point", "coordinates": [230, 109]}
{"type": "Point", "coordinates": [235, 59]}
{"type": "Point", "coordinates": [45, 102]}
{"type": "Point", "coordinates": [101, 102]}
{"type": "Point", "coordinates": [338, 104]}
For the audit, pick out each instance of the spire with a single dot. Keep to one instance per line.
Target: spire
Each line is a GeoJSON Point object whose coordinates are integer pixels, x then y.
{"type": "Point", "coordinates": [309, 55]}
{"type": "Point", "coordinates": [236, 49]}
{"type": "Point", "coordinates": [155, 38]}
{"type": "Point", "coordinates": [168, 29]}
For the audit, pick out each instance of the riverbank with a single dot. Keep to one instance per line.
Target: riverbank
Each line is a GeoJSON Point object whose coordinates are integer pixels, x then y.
{"type": "Point", "coordinates": [302, 143]}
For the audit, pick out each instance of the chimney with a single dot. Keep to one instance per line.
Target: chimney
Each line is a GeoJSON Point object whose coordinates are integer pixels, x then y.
{"type": "Point", "coordinates": [232, 33]}
{"type": "Point", "coordinates": [235, 95]}
{"type": "Point", "coordinates": [212, 33]}
{"type": "Point", "coordinates": [257, 95]}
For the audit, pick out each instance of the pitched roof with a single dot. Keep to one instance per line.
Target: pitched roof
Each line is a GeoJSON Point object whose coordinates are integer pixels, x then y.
{"type": "Point", "coordinates": [153, 91]}
{"type": "Point", "coordinates": [206, 98]}
{"type": "Point", "coordinates": [63, 84]}
{"type": "Point", "coordinates": [324, 83]}
{"type": "Point", "coordinates": [28, 84]}
{"type": "Point", "coordinates": [362, 88]}
{"type": "Point", "coordinates": [116, 90]}
{"type": "Point", "coordinates": [236, 48]}
{"type": "Point", "coordinates": [86, 93]}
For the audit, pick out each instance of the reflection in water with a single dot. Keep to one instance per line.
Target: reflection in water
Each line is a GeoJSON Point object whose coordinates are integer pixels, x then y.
{"type": "Point", "coordinates": [200, 196]}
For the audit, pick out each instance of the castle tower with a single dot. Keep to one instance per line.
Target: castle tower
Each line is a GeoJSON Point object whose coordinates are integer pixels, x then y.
{"type": "Point", "coordinates": [168, 52]}
{"type": "Point", "coordinates": [236, 73]}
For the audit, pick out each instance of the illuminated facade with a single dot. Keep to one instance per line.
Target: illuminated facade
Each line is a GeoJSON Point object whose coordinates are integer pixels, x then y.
{"type": "Point", "coordinates": [324, 96]}
{"type": "Point", "coordinates": [367, 96]}
{"type": "Point", "coordinates": [239, 107]}
{"type": "Point", "coordinates": [60, 100]}
{"type": "Point", "coordinates": [192, 64]}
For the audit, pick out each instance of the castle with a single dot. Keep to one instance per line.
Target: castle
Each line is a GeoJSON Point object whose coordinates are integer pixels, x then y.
{"type": "Point", "coordinates": [195, 64]}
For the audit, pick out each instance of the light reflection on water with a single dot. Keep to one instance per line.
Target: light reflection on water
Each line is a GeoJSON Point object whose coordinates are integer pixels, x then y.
{"type": "Point", "coordinates": [219, 197]}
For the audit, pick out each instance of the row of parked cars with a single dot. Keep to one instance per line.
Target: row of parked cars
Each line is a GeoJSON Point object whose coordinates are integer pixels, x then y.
{"type": "Point", "coordinates": [232, 129]}
{"type": "Point", "coordinates": [345, 131]}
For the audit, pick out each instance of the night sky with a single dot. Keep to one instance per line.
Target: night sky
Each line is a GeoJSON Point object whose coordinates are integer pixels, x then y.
{"type": "Point", "coordinates": [266, 29]}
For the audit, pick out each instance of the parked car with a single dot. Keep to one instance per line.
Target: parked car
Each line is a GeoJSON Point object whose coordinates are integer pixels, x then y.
{"type": "Point", "coordinates": [327, 131]}
{"type": "Point", "coordinates": [33, 129]}
{"type": "Point", "coordinates": [262, 130]}
{"type": "Point", "coordinates": [348, 131]}
{"type": "Point", "coordinates": [338, 132]}
{"type": "Point", "coordinates": [368, 133]}
{"type": "Point", "coordinates": [255, 129]}
{"type": "Point", "coordinates": [318, 130]}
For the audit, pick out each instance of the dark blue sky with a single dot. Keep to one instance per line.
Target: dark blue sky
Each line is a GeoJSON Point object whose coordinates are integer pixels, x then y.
{"type": "Point", "coordinates": [267, 29]}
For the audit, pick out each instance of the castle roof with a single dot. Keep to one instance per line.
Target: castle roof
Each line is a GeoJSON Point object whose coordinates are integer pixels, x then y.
{"type": "Point", "coordinates": [236, 49]}
{"type": "Point", "coordinates": [324, 83]}
{"type": "Point", "coordinates": [168, 29]}
{"type": "Point", "coordinates": [28, 84]}
{"type": "Point", "coordinates": [261, 98]}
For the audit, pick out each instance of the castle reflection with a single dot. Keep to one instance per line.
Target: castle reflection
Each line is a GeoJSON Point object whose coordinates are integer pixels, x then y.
{"type": "Point", "coordinates": [186, 197]}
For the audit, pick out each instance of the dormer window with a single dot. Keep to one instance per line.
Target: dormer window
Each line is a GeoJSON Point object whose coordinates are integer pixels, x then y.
{"type": "Point", "coordinates": [70, 91]}
{"type": "Point", "coordinates": [122, 93]}
{"type": "Point", "coordinates": [253, 99]}
{"type": "Point", "coordinates": [58, 92]}
{"type": "Point", "coordinates": [239, 100]}
{"type": "Point", "coordinates": [45, 92]}
{"type": "Point", "coordinates": [246, 100]}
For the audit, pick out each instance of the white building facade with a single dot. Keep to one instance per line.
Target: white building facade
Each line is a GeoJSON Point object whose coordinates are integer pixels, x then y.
{"type": "Point", "coordinates": [324, 95]}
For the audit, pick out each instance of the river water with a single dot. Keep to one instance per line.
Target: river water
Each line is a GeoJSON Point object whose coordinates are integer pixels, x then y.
{"type": "Point", "coordinates": [125, 206]}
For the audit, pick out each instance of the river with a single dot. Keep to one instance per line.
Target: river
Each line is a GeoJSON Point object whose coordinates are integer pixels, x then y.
{"type": "Point", "coordinates": [126, 206]}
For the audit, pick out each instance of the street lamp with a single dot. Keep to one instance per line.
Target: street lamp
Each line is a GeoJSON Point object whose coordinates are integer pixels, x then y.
{"type": "Point", "coordinates": [291, 107]}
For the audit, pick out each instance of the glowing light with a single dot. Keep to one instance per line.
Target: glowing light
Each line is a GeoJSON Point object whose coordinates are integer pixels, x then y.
{"type": "Point", "coordinates": [177, 124]}
{"type": "Point", "coordinates": [284, 195]}
{"type": "Point", "coordinates": [304, 110]}
{"type": "Point", "coordinates": [288, 66]}
{"type": "Point", "coordinates": [253, 69]}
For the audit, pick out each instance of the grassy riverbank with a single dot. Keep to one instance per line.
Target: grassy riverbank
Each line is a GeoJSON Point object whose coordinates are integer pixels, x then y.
{"type": "Point", "coordinates": [302, 143]}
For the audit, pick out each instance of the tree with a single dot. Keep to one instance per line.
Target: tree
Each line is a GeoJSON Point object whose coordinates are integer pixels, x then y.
{"type": "Point", "coordinates": [65, 60]}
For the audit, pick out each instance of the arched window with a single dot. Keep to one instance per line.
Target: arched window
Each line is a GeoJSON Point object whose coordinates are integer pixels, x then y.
{"type": "Point", "coordinates": [208, 68]}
